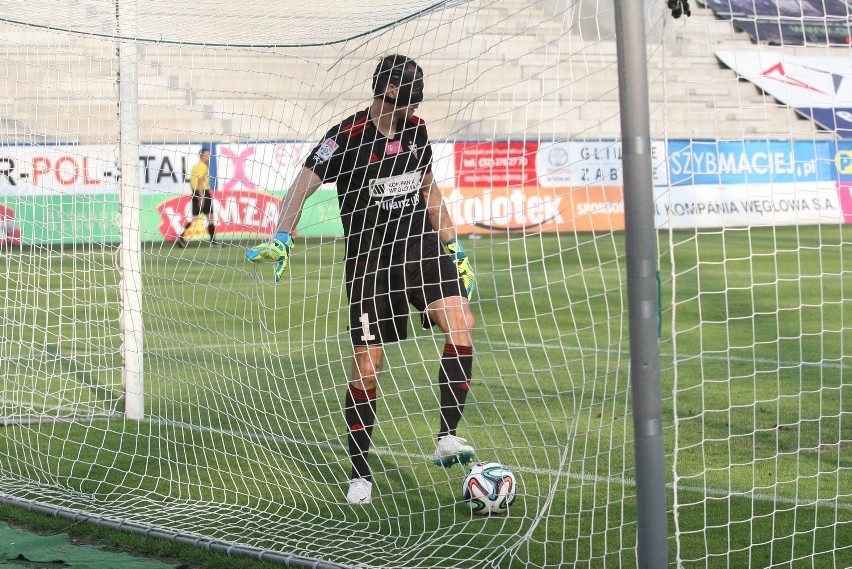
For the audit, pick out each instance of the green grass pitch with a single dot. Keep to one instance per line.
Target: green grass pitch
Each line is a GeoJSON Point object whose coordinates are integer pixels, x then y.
{"type": "Point", "coordinates": [244, 379]}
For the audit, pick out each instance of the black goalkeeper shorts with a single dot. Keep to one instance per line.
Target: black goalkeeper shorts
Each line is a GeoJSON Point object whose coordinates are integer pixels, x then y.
{"type": "Point", "coordinates": [201, 203]}
{"type": "Point", "coordinates": [381, 288]}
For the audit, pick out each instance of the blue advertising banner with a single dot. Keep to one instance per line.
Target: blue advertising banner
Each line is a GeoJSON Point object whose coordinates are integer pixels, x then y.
{"type": "Point", "coordinates": [753, 183]}
{"type": "Point", "coordinates": [843, 161]}
{"type": "Point", "coordinates": [749, 162]}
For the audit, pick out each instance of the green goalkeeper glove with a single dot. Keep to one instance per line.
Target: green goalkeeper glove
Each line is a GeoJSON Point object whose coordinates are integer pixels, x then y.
{"type": "Point", "coordinates": [276, 250]}
{"type": "Point", "coordinates": [454, 249]}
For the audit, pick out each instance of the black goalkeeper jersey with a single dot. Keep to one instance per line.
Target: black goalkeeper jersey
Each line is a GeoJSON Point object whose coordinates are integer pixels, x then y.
{"type": "Point", "coordinates": [378, 183]}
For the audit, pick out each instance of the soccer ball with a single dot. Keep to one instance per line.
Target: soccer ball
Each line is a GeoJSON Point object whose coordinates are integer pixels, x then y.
{"type": "Point", "coordinates": [489, 488]}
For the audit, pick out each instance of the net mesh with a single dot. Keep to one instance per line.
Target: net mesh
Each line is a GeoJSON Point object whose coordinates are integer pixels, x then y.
{"type": "Point", "coordinates": [243, 439]}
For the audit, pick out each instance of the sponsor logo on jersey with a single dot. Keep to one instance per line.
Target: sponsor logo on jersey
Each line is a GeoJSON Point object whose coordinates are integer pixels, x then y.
{"type": "Point", "coordinates": [394, 186]}
{"type": "Point", "coordinates": [410, 201]}
{"type": "Point", "coordinates": [392, 148]}
{"type": "Point", "coordinates": [326, 150]}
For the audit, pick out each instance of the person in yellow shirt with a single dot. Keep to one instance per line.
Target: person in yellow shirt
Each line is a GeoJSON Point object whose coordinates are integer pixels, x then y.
{"type": "Point", "coordinates": [199, 183]}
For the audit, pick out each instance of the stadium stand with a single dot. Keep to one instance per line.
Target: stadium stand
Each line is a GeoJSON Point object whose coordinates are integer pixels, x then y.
{"type": "Point", "coordinates": [191, 93]}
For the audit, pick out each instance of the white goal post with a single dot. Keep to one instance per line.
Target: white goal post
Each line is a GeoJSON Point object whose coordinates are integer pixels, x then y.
{"type": "Point", "coordinates": [180, 392]}
{"type": "Point", "coordinates": [131, 319]}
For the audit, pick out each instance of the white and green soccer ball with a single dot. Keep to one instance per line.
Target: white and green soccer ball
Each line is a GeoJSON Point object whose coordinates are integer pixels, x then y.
{"type": "Point", "coordinates": [489, 488]}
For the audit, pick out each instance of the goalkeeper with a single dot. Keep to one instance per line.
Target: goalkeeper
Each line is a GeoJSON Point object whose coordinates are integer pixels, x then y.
{"type": "Point", "coordinates": [396, 225]}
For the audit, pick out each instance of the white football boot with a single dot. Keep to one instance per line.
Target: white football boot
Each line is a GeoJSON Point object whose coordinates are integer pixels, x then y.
{"type": "Point", "coordinates": [451, 450]}
{"type": "Point", "coordinates": [360, 490]}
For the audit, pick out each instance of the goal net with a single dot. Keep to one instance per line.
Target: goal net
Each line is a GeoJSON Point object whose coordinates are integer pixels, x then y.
{"type": "Point", "coordinates": [237, 437]}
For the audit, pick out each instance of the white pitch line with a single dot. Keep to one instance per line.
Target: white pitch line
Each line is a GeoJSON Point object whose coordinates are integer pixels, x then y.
{"type": "Point", "coordinates": [284, 349]}
{"type": "Point", "coordinates": [593, 478]}
{"type": "Point", "coordinates": [712, 356]}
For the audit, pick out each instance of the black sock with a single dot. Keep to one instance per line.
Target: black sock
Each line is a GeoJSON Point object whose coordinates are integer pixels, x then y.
{"type": "Point", "coordinates": [454, 383]}
{"type": "Point", "coordinates": [211, 229]}
{"type": "Point", "coordinates": [360, 415]}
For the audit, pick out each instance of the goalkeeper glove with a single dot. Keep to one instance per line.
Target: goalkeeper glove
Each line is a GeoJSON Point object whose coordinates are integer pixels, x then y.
{"type": "Point", "coordinates": [454, 249]}
{"type": "Point", "coordinates": [276, 250]}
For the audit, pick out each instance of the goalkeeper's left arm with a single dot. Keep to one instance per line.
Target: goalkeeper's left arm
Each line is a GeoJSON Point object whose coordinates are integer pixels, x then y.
{"type": "Point", "coordinates": [440, 218]}
{"type": "Point", "coordinates": [277, 248]}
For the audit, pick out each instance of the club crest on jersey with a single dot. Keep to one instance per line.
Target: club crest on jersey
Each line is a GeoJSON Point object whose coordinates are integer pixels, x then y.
{"type": "Point", "coordinates": [413, 150]}
{"type": "Point", "coordinates": [326, 149]}
{"type": "Point", "coordinates": [392, 148]}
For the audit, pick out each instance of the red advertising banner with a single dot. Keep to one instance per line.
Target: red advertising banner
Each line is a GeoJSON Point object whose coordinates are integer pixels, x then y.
{"type": "Point", "coordinates": [239, 211]}
{"type": "Point", "coordinates": [495, 164]}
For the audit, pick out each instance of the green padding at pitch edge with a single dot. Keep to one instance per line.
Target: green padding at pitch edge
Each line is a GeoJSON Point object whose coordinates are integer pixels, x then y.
{"type": "Point", "coordinates": [19, 548]}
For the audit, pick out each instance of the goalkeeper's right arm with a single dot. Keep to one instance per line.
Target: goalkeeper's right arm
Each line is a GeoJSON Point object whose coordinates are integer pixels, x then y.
{"type": "Point", "coordinates": [277, 248]}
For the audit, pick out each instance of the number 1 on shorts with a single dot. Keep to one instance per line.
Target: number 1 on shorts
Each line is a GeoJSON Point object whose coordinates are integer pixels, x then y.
{"type": "Point", "coordinates": [365, 327]}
